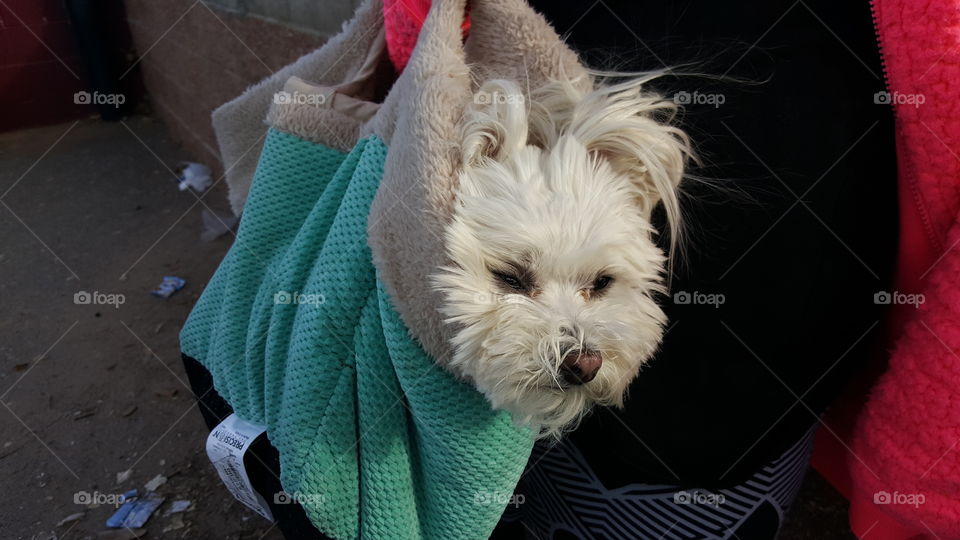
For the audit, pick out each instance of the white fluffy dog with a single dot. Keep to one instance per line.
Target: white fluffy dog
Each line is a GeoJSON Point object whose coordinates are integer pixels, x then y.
{"type": "Point", "coordinates": [554, 264]}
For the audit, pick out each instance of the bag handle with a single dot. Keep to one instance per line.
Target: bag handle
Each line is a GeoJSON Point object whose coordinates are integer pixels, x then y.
{"type": "Point", "coordinates": [508, 39]}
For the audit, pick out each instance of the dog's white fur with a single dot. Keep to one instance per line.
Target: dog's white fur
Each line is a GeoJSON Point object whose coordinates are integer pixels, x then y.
{"type": "Point", "coordinates": [559, 187]}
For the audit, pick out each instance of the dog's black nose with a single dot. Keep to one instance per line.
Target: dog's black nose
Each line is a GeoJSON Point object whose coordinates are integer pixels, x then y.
{"type": "Point", "coordinates": [580, 367]}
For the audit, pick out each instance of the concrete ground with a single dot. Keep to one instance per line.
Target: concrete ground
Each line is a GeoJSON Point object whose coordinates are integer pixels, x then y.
{"type": "Point", "coordinates": [88, 391]}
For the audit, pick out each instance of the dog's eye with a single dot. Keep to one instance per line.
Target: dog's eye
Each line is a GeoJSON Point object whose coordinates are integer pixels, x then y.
{"type": "Point", "coordinates": [602, 282]}
{"type": "Point", "coordinates": [511, 281]}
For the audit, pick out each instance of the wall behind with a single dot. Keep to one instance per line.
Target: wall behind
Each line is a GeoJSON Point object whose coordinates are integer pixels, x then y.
{"type": "Point", "coordinates": [196, 55]}
{"type": "Point", "coordinates": [318, 16]}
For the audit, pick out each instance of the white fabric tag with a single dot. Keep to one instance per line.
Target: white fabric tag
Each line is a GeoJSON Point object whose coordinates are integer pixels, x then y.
{"type": "Point", "coordinates": [226, 446]}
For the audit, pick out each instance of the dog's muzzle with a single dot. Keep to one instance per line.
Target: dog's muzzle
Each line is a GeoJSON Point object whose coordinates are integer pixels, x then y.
{"type": "Point", "coordinates": [580, 367]}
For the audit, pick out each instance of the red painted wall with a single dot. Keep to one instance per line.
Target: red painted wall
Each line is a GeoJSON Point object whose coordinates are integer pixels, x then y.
{"type": "Point", "coordinates": [40, 69]}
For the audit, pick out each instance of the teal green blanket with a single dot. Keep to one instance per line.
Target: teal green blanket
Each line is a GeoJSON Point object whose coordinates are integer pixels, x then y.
{"type": "Point", "coordinates": [374, 439]}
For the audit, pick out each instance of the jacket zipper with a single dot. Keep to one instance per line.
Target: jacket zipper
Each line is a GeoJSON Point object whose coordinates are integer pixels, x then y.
{"type": "Point", "coordinates": [874, 14]}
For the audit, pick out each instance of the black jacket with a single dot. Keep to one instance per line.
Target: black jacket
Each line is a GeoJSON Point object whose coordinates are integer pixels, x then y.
{"type": "Point", "coordinates": [798, 237]}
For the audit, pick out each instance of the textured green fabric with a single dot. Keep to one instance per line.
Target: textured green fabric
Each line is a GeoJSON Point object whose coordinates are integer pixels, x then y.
{"type": "Point", "coordinates": [299, 335]}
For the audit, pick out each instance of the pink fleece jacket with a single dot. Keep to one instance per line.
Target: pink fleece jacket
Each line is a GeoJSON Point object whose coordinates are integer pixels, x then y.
{"type": "Point", "coordinates": [402, 20]}
{"type": "Point", "coordinates": [904, 455]}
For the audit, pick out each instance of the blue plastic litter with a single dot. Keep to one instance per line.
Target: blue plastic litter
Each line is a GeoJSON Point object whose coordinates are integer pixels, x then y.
{"type": "Point", "coordinates": [135, 511]}
{"type": "Point", "coordinates": [168, 286]}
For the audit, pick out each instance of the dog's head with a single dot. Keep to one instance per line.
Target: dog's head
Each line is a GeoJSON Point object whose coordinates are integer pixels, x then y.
{"type": "Point", "coordinates": [554, 264]}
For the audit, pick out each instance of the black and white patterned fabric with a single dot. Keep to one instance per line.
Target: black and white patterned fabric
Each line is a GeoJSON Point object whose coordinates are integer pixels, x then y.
{"type": "Point", "coordinates": [560, 497]}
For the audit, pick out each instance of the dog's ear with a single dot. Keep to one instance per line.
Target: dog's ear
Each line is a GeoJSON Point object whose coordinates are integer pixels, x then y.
{"type": "Point", "coordinates": [495, 123]}
{"type": "Point", "coordinates": [632, 131]}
